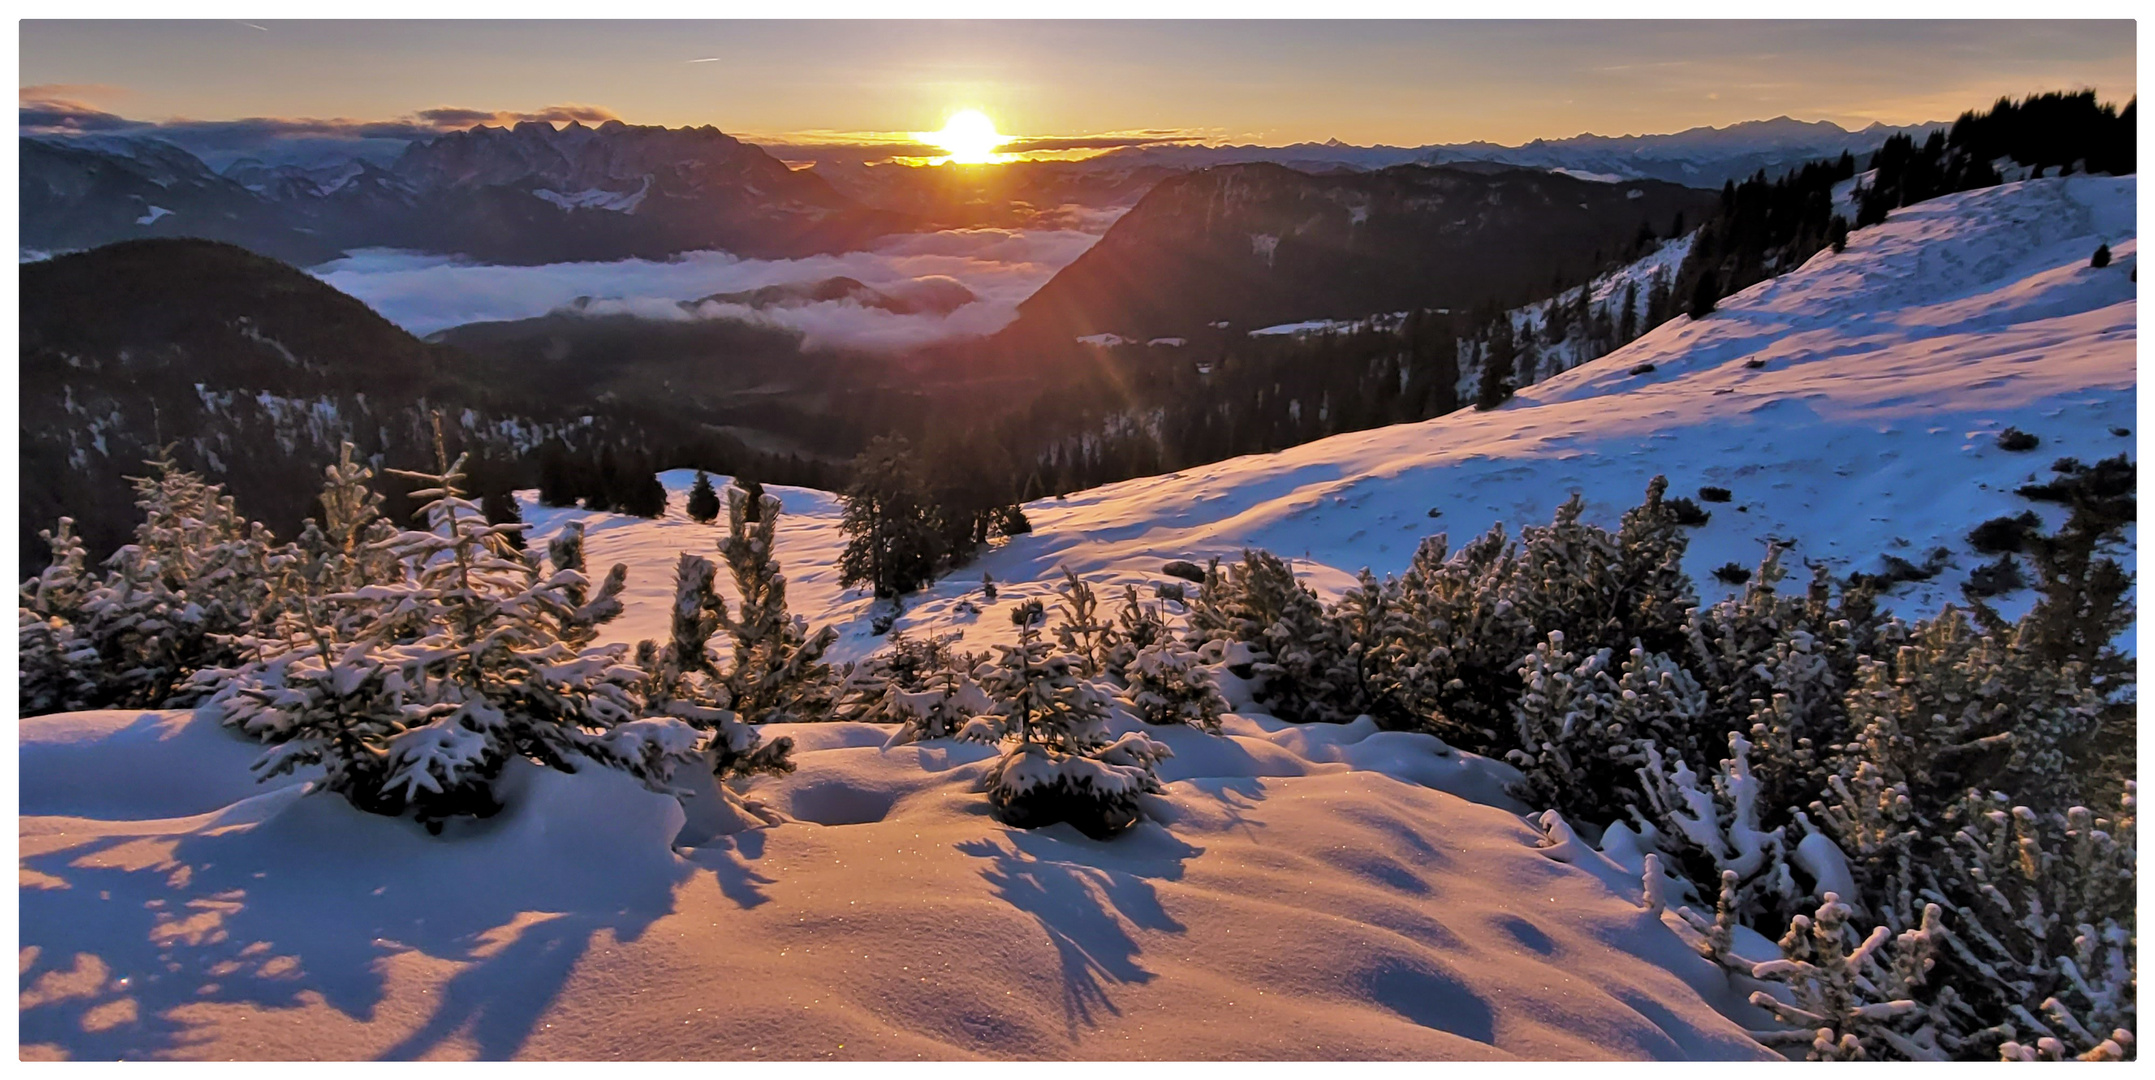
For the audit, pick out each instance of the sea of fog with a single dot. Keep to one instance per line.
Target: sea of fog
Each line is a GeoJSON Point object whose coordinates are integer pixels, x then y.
{"type": "Point", "coordinates": [426, 293]}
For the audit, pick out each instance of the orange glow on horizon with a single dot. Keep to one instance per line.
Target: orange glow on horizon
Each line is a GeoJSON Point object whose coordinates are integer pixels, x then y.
{"type": "Point", "coordinates": [969, 136]}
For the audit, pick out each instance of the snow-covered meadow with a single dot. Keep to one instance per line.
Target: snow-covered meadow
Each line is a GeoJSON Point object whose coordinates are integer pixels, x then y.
{"type": "Point", "coordinates": [1305, 891]}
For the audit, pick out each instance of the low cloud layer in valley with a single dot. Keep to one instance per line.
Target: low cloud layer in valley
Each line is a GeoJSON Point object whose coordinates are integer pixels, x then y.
{"type": "Point", "coordinates": [1001, 267]}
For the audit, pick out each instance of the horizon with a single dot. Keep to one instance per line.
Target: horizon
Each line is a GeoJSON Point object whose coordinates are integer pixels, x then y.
{"type": "Point", "coordinates": [1053, 90]}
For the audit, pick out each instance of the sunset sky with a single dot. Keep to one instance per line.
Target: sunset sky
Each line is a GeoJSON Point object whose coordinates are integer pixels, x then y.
{"type": "Point", "coordinates": [1271, 82]}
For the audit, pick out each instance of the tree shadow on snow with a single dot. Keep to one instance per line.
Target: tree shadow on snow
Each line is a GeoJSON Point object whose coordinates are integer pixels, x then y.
{"type": "Point", "coordinates": [286, 898]}
{"type": "Point", "coordinates": [731, 861]}
{"type": "Point", "coordinates": [1089, 897]}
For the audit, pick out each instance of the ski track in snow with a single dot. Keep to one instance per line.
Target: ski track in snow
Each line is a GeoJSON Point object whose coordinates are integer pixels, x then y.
{"type": "Point", "coordinates": [1318, 891]}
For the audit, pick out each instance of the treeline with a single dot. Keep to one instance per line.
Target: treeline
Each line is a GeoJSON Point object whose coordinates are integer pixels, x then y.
{"type": "Point", "coordinates": [1768, 227]}
{"type": "Point", "coordinates": [2057, 131]}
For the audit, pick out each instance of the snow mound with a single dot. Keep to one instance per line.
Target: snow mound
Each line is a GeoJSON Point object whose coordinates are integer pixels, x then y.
{"type": "Point", "coordinates": [1315, 892]}
{"type": "Point", "coordinates": [128, 764]}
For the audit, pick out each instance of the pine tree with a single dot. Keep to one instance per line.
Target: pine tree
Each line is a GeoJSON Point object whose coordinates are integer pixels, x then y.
{"type": "Point", "coordinates": [778, 672]}
{"type": "Point", "coordinates": [1703, 295]}
{"type": "Point", "coordinates": [682, 681]}
{"type": "Point", "coordinates": [1498, 353]}
{"type": "Point", "coordinates": [891, 535]}
{"type": "Point", "coordinates": [58, 662]}
{"type": "Point", "coordinates": [1627, 326]}
{"type": "Point", "coordinates": [557, 482]}
{"type": "Point", "coordinates": [1296, 652]}
{"type": "Point", "coordinates": [1085, 633]}
{"type": "Point", "coordinates": [419, 700]}
{"type": "Point", "coordinates": [754, 488]}
{"type": "Point", "coordinates": [196, 578]}
{"type": "Point", "coordinates": [1169, 684]}
{"type": "Point", "coordinates": [1657, 300]}
{"type": "Point", "coordinates": [1059, 764]}
{"type": "Point", "coordinates": [703, 500]}
{"type": "Point", "coordinates": [500, 508]}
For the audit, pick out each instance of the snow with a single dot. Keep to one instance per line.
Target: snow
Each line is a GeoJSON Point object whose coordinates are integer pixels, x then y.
{"type": "Point", "coordinates": [1309, 327]}
{"type": "Point", "coordinates": [1890, 370]}
{"type": "Point", "coordinates": [1103, 340]}
{"type": "Point", "coordinates": [620, 202]}
{"type": "Point", "coordinates": [1298, 899]}
{"type": "Point", "coordinates": [1608, 292]}
{"type": "Point", "coordinates": [150, 217]}
{"type": "Point", "coordinates": [1309, 891]}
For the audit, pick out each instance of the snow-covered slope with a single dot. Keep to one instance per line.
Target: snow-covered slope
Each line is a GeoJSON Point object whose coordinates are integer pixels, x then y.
{"type": "Point", "coordinates": [1889, 370]}
{"type": "Point", "coordinates": [1307, 891]}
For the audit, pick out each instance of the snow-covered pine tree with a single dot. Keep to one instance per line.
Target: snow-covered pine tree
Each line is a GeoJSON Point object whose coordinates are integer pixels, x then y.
{"type": "Point", "coordinates": [923, 684]}
{"type": "Point", "coordinates": [58, 662]}
{"type": "Point", "coordinates": [1085, 633]}
{"type": "Point", "coordinates": [2043, 928]}
{"type": "Point", "coordinates": [1858, 998]}
{"type": "Point", "coordinates": [1137, 626]}
{"type": "Point", "coordinates": [1653, 597]}
{"type": "Point", "coordinates": [1299, 654]}
{"type": "Point", "coordinates": [444, 675]}
{"type": "Point", "coordinates": [1586, 730]}
{"type": "Point", "coordinates": [1953, 709]}
{"type": "Point", "coordinates": [1378, 662]}
{"type": "Point", "coordinates": [586, 612]}
{"type": "Point", "coordinates": [703, 499]}
{"type": "Point", "coordinates": [1778, 666]}
{"type": "Point", "coordinates": [778, 672]}
{"type": "Point", "coordinates": [1467, 634]}
{"type": "Point", "coordinates": [1169, 684]}
{"type": "Point", "coordinates": [1059, 764]}
{"type": "Point", "coordinates": [347, 546]}
{"type": "Point", "coordinates": [1714, 827]}
{"type": "Point", "coordinates": [197, 578]}
{"type": "Point", "coordinates": [682, 681]}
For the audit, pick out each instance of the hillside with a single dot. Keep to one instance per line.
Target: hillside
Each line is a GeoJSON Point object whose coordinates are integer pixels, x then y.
{"type": "Point", "coordinates": [1889, 371]}
{"type": "Point", "coordinates": [252, 368]}
{"type": "Point", "coordinates": [1309, 891]}
{"type": "Point", "coordinates": [1258, 245]}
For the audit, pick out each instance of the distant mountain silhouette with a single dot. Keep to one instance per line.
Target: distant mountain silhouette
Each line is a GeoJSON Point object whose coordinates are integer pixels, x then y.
{"type": "Point", "coordinates": [527, 194]}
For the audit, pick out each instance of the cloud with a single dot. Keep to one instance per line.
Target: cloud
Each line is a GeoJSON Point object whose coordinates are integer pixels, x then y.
{"type": "Point", "coordinates": [54, 115]}
{"type": "Point", "coordinates": [1087, 142]}
{"type": "Point", "coordinates": [45, 110]}
{"type": "Point", "coordinates": [448, 118]}
{"type": "Point", "coordinates": [874, 147]}
{"type": "Point", "coordinates": [999, 266]}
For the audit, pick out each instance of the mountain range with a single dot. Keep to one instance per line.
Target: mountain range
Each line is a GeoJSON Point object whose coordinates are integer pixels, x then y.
{"type": "Point", "coordinates": [534, 193]}
{"type": "Point", "coordinates": [526, 194]}
{"type": "Point", "coordinates": [1696, 157]}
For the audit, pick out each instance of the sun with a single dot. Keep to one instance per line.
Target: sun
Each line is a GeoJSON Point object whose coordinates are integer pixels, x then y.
{"type": "Point", "coordinates": [970, 137]}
